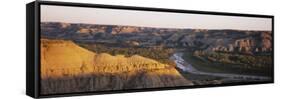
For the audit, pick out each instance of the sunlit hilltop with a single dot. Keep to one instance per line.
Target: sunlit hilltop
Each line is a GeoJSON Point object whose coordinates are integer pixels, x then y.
{"type": "Point", "coordinates": [64, 59]}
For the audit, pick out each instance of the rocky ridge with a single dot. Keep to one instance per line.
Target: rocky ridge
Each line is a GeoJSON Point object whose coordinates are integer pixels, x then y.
{"type": "Point", "coordinates": [240, 41]}
{"type": "Point", "coordinates": [63, 63]}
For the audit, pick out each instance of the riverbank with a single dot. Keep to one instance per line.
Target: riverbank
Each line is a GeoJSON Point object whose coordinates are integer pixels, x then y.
{"type": "Point", "coordinates": [196, 75]}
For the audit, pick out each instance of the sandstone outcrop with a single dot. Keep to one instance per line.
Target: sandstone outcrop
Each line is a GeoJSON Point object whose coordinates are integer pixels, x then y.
{"type": "Point", "coordinates": [67, 67]}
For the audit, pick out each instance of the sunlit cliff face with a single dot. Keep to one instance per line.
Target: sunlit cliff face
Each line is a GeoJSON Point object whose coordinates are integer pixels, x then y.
{"type": "Point", "coordinates": [64, 58]}
{"type": "Point", "coordinates": [67, 67]}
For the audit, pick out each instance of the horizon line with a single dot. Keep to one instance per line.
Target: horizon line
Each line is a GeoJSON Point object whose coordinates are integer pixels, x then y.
{"type": "Point", "coordinates": [156, 26]}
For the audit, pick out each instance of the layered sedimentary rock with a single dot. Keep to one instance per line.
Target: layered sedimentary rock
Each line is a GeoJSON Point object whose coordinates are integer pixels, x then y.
{"type": "Point", "coordinates": [241, 41]}
{"type": "Point", "coordinates": [231, 41]}
{"type": "Point", "coordinates": [67, 67]}
{"type": "Point", "coordinates": [258, 44]}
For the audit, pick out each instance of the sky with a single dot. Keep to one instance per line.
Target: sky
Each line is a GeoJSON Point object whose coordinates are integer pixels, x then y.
{"type": "Point", "coordinates": [67, 14]}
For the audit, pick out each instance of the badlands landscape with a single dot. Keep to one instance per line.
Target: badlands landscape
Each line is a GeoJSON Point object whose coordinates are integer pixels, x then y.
{"type": "Point", "coordinates": [92, 57]}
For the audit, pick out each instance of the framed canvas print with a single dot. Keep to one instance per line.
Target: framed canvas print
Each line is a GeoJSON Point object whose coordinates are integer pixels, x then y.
{"type": "Point", "coordinates": [80, 49]}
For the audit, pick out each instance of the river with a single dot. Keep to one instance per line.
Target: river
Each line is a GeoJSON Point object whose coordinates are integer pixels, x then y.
{"type": "Point", "coordinates": [186, 67]}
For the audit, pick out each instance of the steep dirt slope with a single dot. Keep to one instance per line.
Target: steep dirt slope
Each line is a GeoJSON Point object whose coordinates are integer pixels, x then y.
{"type": "Point", "coordinates": [67, 67]}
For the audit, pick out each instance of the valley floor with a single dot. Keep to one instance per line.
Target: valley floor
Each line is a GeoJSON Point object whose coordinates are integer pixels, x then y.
{"type": "Point", "coordinates": [201, 77]}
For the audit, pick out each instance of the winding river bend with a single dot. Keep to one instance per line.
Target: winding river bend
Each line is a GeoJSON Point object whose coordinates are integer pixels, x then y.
{"type": "Point", "coordinates": [186, 67]}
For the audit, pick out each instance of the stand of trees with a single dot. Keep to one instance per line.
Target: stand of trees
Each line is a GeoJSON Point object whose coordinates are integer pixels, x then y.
{"type": "Point", "coordinates": [221, 62]}
{"type": "Point", "coordinates": [255, 61]}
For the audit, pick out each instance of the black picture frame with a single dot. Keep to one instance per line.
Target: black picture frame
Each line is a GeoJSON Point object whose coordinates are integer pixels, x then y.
{"type": "Point", "coordinates": [33, 46]}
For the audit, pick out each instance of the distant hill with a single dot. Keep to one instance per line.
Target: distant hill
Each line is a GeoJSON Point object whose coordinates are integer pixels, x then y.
{"type": "Point", "coordinates": [238, 41]}
{"type": "Point", "coordinates": [63, 63]}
